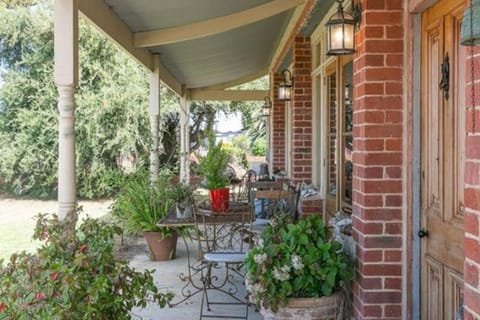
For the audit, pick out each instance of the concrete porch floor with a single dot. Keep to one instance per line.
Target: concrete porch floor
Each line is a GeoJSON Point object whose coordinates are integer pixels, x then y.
{"type": "Point", "coordinates": [167, 278]}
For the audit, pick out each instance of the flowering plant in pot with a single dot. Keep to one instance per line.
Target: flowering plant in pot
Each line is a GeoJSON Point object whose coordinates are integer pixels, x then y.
{"type": "Point", "coordinates": [74, 276]}
{"type": "Point", "coordinates": [213, 168]}
{"type": "Point", "coordinates": [141, 204]}
{"type": "Point", "coordinates": [292, 262]}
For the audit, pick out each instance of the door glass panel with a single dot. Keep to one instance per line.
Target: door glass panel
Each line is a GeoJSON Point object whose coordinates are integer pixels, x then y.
{"type": "Point", "coordinates": [347, 143]}
{"type": "Point", "coordinates": [347, 168]}
{"type": "Point", "coordinates": [332, 133]}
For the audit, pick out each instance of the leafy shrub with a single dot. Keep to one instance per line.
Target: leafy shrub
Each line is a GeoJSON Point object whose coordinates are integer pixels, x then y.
{"type": "Point", "coordinates": [259, 147]}
{"type": "Point", "coordinates": [239, 156]}
{"type": "Point", "coordinates": [141, 205]}
{"type": "Point", "coordinates": [213, 166]}
{"type": "Point", "coordinates": [295, 261]}
{"type": "Point", "coordinates": [73, 277]}
{"type": "Point", "coordinates": [241, 142]}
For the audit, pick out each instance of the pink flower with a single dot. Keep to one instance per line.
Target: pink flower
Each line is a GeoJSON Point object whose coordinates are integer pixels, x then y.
{"type": "Point", "coordinates": [40, 296]}
{"type": "Point", "coordinates": [54, 276]}
{"type": "Point", "coordinates": [3, 306]}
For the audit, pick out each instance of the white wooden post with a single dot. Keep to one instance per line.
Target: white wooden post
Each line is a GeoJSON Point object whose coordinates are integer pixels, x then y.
{"type": "Point", "coordinates": [66, 80]}
{"type": "Point", "coordinates": [184, 140]}
{"type": "Point", "coordinates": [154, 117]}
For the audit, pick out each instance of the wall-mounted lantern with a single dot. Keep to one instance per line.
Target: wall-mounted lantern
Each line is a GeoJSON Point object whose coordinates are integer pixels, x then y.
{"type": "Point", "coordinates": [341, 30]}
{"type": "Point", "coordinates": [285, 87]}
{"type": "Point", "coordinates": [267, 107]}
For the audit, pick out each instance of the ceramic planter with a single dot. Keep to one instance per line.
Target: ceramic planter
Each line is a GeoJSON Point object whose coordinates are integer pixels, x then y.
{"type": "Point", "coordinates": [324, 308]}
{"type": "Point", "coordinates": [219, 199]}
{"type": "Point", "coordinates": [161, 248]}
{"type": "Point", "coordinates": [184, 210]}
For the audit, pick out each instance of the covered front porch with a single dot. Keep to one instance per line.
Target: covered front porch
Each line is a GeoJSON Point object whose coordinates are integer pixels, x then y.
{"type": "Point", "coordinates": [367, 129]}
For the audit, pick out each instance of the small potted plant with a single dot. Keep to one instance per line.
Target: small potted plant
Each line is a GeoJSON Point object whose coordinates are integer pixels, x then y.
{"type": "Point", "coordinates": [297, 266]}
{"type": "Point", "coordinates": [140, 205]}
{"type": "Point", "coordinates": [213, 168]}
{"type": "Point", "coordinates": [183, 197]}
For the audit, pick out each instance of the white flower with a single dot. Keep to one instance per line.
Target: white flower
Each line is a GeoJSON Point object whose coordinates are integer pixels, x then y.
{"type": "Point", "coordinates": [254, 290]}
{"type": "Point", "coordinates": [259, 243]}
{"type": "Point", "coordinates": [297, 262]}
{"type": "Point", "coordinates": [282, 274]}
{"type": "Point", "coordinates": [273, 222]}
{"type": "Point", "coordinates": [260, 258]}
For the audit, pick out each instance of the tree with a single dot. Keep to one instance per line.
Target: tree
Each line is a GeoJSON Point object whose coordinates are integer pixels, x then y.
{"type": "Point", "coordinates": [112, 108]}
{"type": "Point", "coordinates": [252, 119]}
{"type": "Point", "coordinates": [112, 121]}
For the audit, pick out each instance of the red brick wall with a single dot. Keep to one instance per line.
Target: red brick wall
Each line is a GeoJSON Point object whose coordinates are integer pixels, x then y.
{"type": "Point", "coordinates": [472, 195]}
{"type": "Point", "coordinates": [277, 132]}
{"type": "Point", "coordinates": [301, 105]}
{"type": "Point", "coordinates": [377, 158]}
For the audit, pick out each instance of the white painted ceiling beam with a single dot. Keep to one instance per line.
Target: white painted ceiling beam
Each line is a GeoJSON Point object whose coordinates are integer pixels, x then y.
{"type": "Point", "coordinates": [213, 26]}
{"type": "Point", "coordinates": [228, 95]}
{"type": "Point", "coordinates": [105, 20]}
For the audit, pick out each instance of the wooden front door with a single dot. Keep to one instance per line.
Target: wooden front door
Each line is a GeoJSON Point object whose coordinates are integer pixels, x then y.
{"type": "Point", "coordinates": [443, 135]}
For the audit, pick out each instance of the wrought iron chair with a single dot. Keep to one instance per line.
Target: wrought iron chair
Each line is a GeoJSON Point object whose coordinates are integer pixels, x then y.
{"type": "Point", "coordinates": [241, 190]}
{"type": "Point", "coordinates": [222, 250]}
{"type": "Point", "coordinates": [274, 201]}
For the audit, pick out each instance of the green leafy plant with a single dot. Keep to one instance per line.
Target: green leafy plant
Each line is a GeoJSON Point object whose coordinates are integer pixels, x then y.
{"type": "Point", "coordinates": [213, 166]}
{"type": "Point", "coordinates": [295, 261]}
{"type": "Point", "coordinates": [74, 277]}
{"type": "Point", "coordinates": [182, 192]}
{"type": "Point", "coordinates": [140, 204]}
{"type": "Point", "coordinates": [259, 147]}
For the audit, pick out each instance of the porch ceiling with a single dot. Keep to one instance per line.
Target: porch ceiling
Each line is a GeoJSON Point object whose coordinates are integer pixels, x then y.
{"type": "Point", "coordinates": [201, 43]}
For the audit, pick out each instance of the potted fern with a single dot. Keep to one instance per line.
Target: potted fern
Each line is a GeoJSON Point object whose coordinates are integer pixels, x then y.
{"type": "Point", "coordinates": [140, 205]}
{"type": "Point", "coordinates": [213, 167]}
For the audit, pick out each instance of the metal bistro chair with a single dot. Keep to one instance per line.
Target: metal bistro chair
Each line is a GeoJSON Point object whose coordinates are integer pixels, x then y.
{"type": "Point", "coordinates": [222, 251]}
{"type": "Point", "coordinates": [277, 201]}
{"type": "Point", "coordinates": [241, 191]}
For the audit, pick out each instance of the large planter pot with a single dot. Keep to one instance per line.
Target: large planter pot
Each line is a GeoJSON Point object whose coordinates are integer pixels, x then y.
{"type": "Point", "coordinates": [219, 199]}
{"type": "Point", "coordinates": [161, 248]}
{"type": "Point", "coordinates": [324, 308]}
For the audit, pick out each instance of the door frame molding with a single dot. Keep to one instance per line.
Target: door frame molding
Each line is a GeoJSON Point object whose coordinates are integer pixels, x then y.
{"type": "Point", "coordinates": [416, 167]}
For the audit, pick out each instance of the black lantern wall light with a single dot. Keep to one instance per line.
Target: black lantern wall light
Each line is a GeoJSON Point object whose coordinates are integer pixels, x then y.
{"type": "Point", "coordinates": [285, 87]}
{"type": "Point", "coordinates": [341, 30]}
{"type": "Point", "coordinates": [267, 106]}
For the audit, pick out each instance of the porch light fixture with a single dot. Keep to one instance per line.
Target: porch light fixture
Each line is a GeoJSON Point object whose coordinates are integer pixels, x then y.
{"type": "Point", "coordinates": [285, 87]}
{"type": "Point", "coordinates": [470, 34]}
{"type": "Point", "coordinates": [267, 107]}
{"type": "Point", "coordinates": [341, 30]}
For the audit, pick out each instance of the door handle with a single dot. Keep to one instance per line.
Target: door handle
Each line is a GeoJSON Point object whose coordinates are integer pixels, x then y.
{"type": "Point", "coordinates": [422, 233]}
{"type": "Point", "coordinates": [445, 81]}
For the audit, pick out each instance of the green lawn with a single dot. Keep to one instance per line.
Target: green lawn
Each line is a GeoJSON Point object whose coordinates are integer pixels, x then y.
{"type": "Point", "coordinates": [18, 221]}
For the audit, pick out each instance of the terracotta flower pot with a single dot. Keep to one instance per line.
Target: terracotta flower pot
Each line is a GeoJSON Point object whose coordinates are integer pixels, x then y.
{"type": "Point", "coordinates": [324, 308]}
{"type": "Point", "coordinates": [219, 199]}
{"type": "Point", "coordinates": [160, 248]}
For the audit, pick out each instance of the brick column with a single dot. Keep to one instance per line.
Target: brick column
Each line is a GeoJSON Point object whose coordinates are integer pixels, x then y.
{"type": "Point", "coordinates": [302, 111]}
{"type": "Point", "coordinates": [277, 133]}
{"type": "Point", "coordinates": [377, 159]}
{"type": "Point", "coordinates": [472, 194]}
